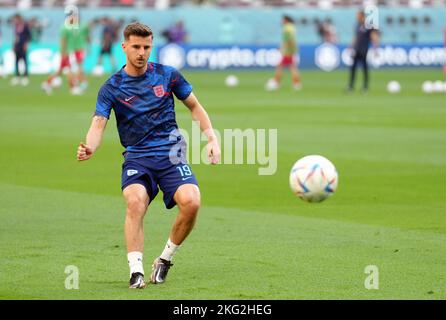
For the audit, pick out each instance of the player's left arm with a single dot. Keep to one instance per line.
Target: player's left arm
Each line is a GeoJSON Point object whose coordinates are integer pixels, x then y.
{"type": "Point", "coordinates": [199, 114]}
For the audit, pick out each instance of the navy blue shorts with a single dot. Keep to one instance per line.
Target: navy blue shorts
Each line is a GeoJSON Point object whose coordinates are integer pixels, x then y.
{"type": "Point", "coordinates": [157, 171]}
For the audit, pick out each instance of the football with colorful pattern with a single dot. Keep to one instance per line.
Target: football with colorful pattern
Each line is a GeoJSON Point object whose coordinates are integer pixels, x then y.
{"type": "Point", "coordinates": [313, 178]}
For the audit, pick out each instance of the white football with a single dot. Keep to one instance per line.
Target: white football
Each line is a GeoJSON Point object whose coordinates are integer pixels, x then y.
{"type": "Point", "coordinates": [56, 82]}
{"type": "Point", "coordinates": [271, 85]}
{"type": "Point", "coordinates": [313, 178]}
{"type": "Point", "coordinates": [232, 81]}
{"type": "Point", "coordinates": [428, 87]}
{"type": "Point", "coordinates": [393, 87]}
{"type": "Point", "coordinates": [438, 86]}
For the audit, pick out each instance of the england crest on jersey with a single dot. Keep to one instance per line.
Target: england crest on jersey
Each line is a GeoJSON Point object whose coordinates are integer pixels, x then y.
{"type": "Point", "coordinates": [159, 91]}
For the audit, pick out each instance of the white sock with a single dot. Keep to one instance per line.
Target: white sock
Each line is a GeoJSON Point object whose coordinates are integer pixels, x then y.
{"type": "Point", "coordinates": [135, 262]}
{"type": "Point", "coordinates": [169, 250]}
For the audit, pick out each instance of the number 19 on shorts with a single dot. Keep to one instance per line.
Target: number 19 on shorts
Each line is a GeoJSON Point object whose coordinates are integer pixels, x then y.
{"type": "Point", "coordinates": [185, 171]}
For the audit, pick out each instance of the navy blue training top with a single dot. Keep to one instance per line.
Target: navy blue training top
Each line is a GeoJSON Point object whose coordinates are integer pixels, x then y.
{"type": "Point", "coordinates": [144, 109]}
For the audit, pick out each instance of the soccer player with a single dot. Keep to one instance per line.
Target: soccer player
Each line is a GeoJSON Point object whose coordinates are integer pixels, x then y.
{"type": "Point", "coordinates": [141, 95]}
{"type": "Point", "coordinates": [80, 45]}
{"type": "Point", "coordinates": [289, 56]}
{"type": "Point", "coordinates": [74, 39]}
{"type": "Point", "coordinates": [65, 63]}
{"type": "Point", "coordinates": [361, 43]}
{"type": "Point", "coordinates": [22, 38]}
{"type": "Point", "coordinates": [109, 37]}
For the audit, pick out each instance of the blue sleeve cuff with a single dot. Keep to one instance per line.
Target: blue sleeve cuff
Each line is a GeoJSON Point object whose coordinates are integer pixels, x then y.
{"type": "Point", "coordinates": [184, 95]}
{"type": "Point", "coordinates": [102, 114]}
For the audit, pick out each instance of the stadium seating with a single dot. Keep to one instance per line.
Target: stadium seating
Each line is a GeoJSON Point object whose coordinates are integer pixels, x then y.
{"type": "Point", "coordinates": [322, 4]}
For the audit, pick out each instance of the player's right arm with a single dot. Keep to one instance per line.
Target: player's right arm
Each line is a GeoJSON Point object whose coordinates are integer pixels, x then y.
{"type": "Point", "coordinates": [94, 138]}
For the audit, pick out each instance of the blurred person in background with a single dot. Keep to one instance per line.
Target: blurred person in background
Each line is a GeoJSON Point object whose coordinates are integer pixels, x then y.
{"type": "Point", "coordinates": [36, 27]}
{"type": "Point", "coordinates": [74, 39]}
{"type": "Point", "coordinates": [22, 37]}
{"type": "Point", "coordinates": [363, 38]}
{"type": "Point", "coordinates": [81, 46]}
{"type": "Point", "coordinates": [289, 56]}
{"type": "Point", "coordinates": [327, 31]}
{"type": "Point", "coordinates": [176, 33]}
{"type": "Point", "coordinates": [109, 36]}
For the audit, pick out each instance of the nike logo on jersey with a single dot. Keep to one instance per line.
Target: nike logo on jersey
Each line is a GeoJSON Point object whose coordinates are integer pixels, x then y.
{"type": "Point", "coordinates": [128, 99]}
{"type": "Point", "coordinates": [186, 178]}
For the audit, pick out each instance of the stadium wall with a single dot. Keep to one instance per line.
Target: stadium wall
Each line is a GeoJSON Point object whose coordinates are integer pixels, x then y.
{"type": "Point", "coordinates": [327, 57]}
{"type": "Point", "coordinates": [211, 26]}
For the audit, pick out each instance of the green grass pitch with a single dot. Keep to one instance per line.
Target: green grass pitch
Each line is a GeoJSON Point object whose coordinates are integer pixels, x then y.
{"type": "Point", "coordinates": [254, 239]}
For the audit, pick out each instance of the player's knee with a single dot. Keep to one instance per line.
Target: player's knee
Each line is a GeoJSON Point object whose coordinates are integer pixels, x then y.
{"type": "Point", "coordinates": [136, 206]}
{"type": "Point", "coordinates": [193, 205]}
{"type": "Point", "coordinates": [190, 204]}
{"type": "Point", "coordinates": [188, 196]}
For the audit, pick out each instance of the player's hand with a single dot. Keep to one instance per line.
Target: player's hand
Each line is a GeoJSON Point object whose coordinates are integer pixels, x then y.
{"type": "Point", "coordinates": [213, 151]}
{"type": "Point", "coordinates": [84, 152]}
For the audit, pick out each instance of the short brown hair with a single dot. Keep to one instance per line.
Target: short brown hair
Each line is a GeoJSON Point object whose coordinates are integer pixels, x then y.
{"type": "Point", "coordinates": [137, 29]}
{"type": "Point", "coordinates": [288, 18]}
